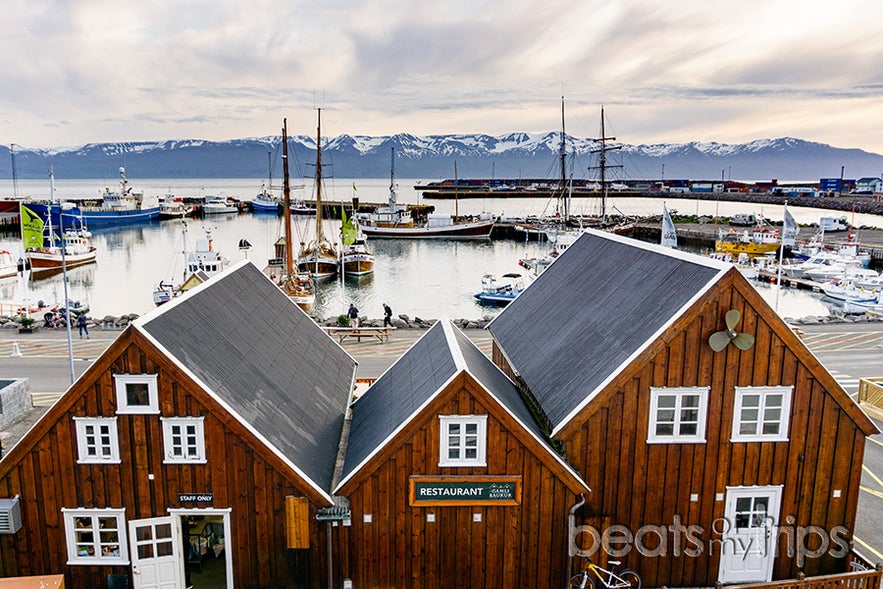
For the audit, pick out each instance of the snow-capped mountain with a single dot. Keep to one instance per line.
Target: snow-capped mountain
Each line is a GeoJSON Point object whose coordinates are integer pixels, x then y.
{"type": "Point", "coordinates": [514, 155]}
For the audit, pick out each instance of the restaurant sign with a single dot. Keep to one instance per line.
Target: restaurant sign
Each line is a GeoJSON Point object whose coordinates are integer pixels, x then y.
{"type": "Point", "coordinates": [477, 490]}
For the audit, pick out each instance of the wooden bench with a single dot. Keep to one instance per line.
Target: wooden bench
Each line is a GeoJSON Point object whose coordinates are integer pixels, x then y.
{"type": "Point", "coordinates": [342, 333]}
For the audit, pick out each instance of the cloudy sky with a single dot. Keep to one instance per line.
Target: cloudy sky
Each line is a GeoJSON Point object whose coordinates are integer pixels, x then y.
{"type": "Point", "coordinates": [80, 71]}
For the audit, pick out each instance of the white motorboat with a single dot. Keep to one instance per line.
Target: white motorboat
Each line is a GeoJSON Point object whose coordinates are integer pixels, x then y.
{"type": "Point", "coordinates": [218, 205]}
{"type": "Point", "coordinates": [500, 291]}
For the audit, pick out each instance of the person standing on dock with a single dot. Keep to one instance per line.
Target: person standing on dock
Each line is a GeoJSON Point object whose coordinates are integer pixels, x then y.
{"type": "Point", "coordinates": [82, 325]}
{"type": "Point", "coordinates": [353, 314]}
{"type": "Point", "coordinates": [387, 316]}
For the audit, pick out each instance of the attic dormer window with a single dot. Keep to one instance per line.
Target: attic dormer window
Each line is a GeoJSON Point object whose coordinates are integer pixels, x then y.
{"type": "Point", "coordinates": [136, 393]}
{"type": "Point", "coordinates": [463, 440]}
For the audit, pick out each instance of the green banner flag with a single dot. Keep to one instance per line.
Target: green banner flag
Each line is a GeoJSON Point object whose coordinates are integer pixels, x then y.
{"type": "Point", "coordinates": [31, 228]}
{"type": "Point", "coordinates": [347, 229]}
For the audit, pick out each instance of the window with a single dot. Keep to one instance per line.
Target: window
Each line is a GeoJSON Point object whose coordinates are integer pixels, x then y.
{"type": "Point", "coordinates": [97, 440]}
{"type": "Point", "coordinates": [677, 415]}
{"type": "Point", "coordinates": [463, 440]}
{"type": "Point", "coordinates": [761, 414]}
{"type": "Point", "coordinates": [95, 536]}
{"type": "Point", "coordinates": [136, 393]}
{"type": "Point", "coordinates": [183, 439]}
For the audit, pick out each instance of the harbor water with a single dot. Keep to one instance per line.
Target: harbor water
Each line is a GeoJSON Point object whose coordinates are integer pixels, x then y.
{"type": "Point", "coordinates": [429, 279]}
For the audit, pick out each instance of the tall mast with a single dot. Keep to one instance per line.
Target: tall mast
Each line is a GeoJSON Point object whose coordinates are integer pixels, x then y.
{"type": "Point", "coordinates": [602, 164]}
{"type": "Point", "coordinates": [286, 191]}
{"type": "Point", "coordinates": [319, 236]}
{"type": "Point", "coordinates": [14, 174]}
{"type": "Point", "coordinates": [456, 194]}
{"type": "Point", "coordinates": [562, 154]}
{"type": "Point", "coordinates": [392, 179]}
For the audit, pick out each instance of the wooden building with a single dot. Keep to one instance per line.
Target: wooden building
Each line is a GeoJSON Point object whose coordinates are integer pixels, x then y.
{"type": "Point", "coordinates": [641, 403]}
{"type": "Point", "coordinates": [450, 481]}
{"type": "Point", "coordinates": [751, 445]}
{"type": "Point", "coordinates": [206, 436]}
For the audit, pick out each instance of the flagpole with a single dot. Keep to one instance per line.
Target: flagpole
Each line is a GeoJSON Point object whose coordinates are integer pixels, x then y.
{"type": "Point", "coordinates": [781, 257]}
{"type": "Point", "coordinates": [67, 307]}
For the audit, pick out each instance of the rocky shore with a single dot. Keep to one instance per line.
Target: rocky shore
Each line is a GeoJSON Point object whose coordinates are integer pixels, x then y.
{"type": "Point", "coordinates": [114, 323]}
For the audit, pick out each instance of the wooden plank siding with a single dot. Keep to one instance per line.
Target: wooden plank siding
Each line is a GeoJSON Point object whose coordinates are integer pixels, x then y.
{"type": "Point", "coordinates": [636, 484]}
{"type": "Point", "coordinates": [241, 472]}
{"type": "Point", "coordinates": [522, 545]}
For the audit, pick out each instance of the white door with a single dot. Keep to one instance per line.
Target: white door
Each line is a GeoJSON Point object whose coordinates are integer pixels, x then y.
{"type": "Point", "coordinates": [749, 539]}
{"type": "Point", "coordinates": [155, 548]}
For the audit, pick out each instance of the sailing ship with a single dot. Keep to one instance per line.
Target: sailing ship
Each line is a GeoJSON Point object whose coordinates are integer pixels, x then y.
{"type": "Point", "coordinates": [395, 221]}
{"type": "Point", "coordinates": [357, 258]}
{"type": "Point", "coordinates": [298, 286]}
{"type": "Point", "coordinates": [318, 256]}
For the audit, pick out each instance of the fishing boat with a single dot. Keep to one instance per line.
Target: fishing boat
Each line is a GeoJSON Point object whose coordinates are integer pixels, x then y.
{"type": "Point", "coordinates": [357, 258]}
{"type": "Point", "coordinates": [759, 241]}
{"type": "Point", "coordinates": [200, 263]}
{"type": "Point", "coordinates": [298, 286]}
{"type": "Point", "coordinates": [395, 220]}
{"type": "Point", "coordinates": [318, 256]}
{"type": "Point", "coordinates": [500, 291]}
{"type": "Point", "coordinates": [265, 202]}
{"type": "Point", "coordinates": [171, 207]}
{"type": "Point", "coordinates": [121, 207]}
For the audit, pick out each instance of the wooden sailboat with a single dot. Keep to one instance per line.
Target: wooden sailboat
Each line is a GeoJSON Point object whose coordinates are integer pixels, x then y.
{"type": "Point", "coordinates": [47, 257]}
{"type": "Point", "coordinates": [318, 256]}
{"type": "Point", "coordinates": [297, 285]}
{"type": "Point", "coordinates": [356, 257]}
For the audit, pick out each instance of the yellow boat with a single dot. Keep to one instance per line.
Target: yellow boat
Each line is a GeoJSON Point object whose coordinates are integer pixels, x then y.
{"type": "Point", "coordinates": [757, 242]}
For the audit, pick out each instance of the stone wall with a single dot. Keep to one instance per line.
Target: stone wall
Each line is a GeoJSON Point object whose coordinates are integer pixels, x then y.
{"type": "Point", "coordinates": [15, 399]}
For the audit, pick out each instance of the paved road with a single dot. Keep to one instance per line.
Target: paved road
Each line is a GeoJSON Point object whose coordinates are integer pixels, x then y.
{"type": "Point", "coordinates": [850, 351]}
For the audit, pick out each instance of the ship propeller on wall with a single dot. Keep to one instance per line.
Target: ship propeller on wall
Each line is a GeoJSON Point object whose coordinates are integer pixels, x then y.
{"type": "Point", "coordinates": [720, 339]}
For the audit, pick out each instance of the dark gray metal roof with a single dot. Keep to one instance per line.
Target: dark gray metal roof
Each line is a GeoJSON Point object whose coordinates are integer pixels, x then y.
{"type": "Point", "coordinates": [268, 361]}
{"type": "Point", "coordinates": [409, 384]}
{"type": "Point", "coordinates": [600, 302]}
{"type": "Point", "coordinates": [395, 397]}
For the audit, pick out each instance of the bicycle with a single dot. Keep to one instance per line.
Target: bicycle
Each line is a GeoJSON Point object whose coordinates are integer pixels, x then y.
{"type": "Point", "coordinates": [608, 579]}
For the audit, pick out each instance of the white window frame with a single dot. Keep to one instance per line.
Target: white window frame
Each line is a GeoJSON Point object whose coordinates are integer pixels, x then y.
{"type": "Point", "coordinates": [679, 393]}
{"type": "Point", "coordinates": [97, 558]}
{"type": "Point", "coordinates": [120, 382]}
{"type": "Point", "coordinates": [445, 421]}
{"type": "Point", "coordinates": [83, 434]}
{"type": "Point", "coordinates": [169, 435]}
{"type": "Point", "coordinates": [762, 393]}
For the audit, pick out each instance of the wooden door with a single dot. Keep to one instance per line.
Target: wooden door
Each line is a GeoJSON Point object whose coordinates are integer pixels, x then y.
{"type": "Point", "coordinates": [749, 540]}
{"type": "Point", "coordinates": [156, 553]}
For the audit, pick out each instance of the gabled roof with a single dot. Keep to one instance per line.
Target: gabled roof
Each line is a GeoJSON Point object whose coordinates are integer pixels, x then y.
{"type": "Point", "coordinates": [592, 311]}
{"type": "Point", "coordinates": [266, 361]}
{"type": "Point", "coordinates": [417, 378]}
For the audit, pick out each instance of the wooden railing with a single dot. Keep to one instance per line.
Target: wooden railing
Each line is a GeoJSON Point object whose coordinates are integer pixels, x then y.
{"type": "Point", "coordinates": [870, 391]}
{"type": "Point", "coordinates": [867, 579]}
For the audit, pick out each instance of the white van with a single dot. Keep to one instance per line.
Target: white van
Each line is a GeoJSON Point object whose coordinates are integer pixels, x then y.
{"type": "Point", "coordinates": [743, 220]}
{"type": "Point", "coordinates": [833, 224]}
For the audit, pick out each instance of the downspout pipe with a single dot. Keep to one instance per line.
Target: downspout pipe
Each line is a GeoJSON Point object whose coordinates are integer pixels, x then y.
{"type": "Point", "coordinates": [571, 540]}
